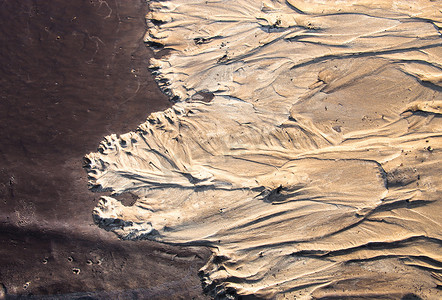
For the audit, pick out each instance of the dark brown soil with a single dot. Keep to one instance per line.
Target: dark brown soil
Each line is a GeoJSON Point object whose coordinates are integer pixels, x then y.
{"type": "Point", "coordinates": [72, 72]}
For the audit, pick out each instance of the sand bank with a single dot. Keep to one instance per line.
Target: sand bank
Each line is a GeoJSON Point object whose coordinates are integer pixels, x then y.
{"type": "Point", "coordinates": [303, 147]}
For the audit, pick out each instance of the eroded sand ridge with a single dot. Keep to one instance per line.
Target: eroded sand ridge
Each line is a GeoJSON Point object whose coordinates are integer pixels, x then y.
{"type": "Point", "coordinates": [303, 148]}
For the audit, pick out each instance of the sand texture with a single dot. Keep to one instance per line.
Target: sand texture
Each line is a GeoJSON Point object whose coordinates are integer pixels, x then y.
{"type": "Point", "coordinates": [72, 72]}
{"type": "Point", "coordinates": [303, 148]}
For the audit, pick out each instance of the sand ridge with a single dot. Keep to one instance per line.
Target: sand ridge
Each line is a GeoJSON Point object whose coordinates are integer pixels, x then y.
{"type": "Point", "coordinates": [303, 147]}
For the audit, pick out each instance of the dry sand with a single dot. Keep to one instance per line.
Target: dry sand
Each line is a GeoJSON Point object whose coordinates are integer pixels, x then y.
{"type": "Point", "coordinates": [304, 147]}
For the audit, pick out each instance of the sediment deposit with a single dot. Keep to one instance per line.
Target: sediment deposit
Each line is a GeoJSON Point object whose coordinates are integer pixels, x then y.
{"type": "Point", "coordinates": [304, 147]}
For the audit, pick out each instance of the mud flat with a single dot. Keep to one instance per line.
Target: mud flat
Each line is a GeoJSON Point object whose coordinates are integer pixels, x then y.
{"type": "Point", "coordinates": [70, 73]}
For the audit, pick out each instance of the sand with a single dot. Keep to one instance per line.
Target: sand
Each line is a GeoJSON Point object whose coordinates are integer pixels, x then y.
{"type": "Point", "coordinates": [72, 72]}
{"type": "Point", "coordinates": [303, 148]}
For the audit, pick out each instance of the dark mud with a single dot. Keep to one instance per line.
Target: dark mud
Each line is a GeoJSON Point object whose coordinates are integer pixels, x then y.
{"type": "Point", "coordinates": [70, 73]}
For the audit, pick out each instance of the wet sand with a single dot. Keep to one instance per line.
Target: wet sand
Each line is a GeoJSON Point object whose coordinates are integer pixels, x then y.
{"type": "Point", "coordinates": [303, 147]}
{"type": "Point", "coordinates": [72, 72]}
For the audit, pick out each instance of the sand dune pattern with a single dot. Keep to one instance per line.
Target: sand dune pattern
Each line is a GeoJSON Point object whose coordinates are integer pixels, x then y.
{"type": "Point", "coordinates": [303, 148]}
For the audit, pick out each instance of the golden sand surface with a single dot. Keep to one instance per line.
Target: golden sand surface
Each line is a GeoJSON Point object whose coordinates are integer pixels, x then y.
{"type": "Point", "coordinates": [303, 148]}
